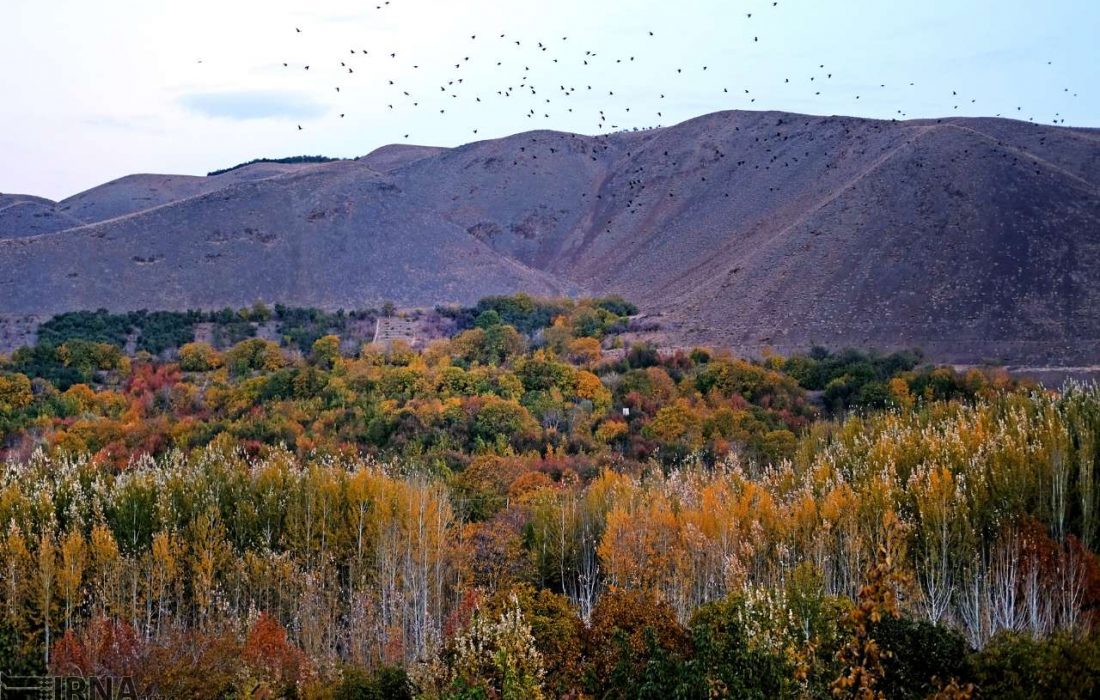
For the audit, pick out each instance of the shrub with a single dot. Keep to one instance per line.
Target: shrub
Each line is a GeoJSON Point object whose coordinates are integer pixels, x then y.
{"type": "Point", "coordinates": [497, 658]}
{"type": "Point", "coordinates": [629, 630]}
{"type": "Point", "coordinates": [919, 656]}
{"type": "Point", "coordinates": [386, 683]}
{"type": "Point", "coordinates": [744, 646]}
{"type": "Point", "coordinates": [1016, 666]}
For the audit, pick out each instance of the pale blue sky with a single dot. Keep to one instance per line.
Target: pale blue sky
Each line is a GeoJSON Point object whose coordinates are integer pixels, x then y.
{"type": "Point", "coordinates": [90, 91]}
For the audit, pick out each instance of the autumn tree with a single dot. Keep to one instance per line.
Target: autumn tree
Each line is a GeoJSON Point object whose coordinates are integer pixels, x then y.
{"type": "Point", "coordinates": [863, 656]}
{"type": "Point", "coordinates": [15, 392]}
{"type": "Point", "coordinates": [498, 656]}
{"type": "Point", "coordinates": [199, 357]}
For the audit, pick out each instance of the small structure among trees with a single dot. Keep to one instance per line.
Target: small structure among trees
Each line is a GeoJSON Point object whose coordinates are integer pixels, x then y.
{"type": "Point", "coordinates": [391, 328]}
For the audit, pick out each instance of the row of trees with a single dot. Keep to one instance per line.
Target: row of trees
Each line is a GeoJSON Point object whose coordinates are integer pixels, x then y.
{"type": "Point", "coordinates": [163, 333]}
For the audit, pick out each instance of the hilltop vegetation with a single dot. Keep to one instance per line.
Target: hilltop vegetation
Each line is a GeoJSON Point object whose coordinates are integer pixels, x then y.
{"type": "Point", "coordinates": [481, 518]}
{"type": "Point", "coordinates": [292, 160]}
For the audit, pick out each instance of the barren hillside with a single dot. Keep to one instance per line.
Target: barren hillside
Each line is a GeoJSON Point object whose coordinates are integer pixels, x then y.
{"type": "Point", "coordinates": [973, 239]}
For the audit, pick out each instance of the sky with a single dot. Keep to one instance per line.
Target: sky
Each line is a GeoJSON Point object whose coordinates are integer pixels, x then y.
{"type": "Point", "coordinates": [92, 90]}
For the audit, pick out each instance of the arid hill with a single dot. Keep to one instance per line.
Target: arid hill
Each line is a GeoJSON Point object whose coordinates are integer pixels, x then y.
{"type": "Point", "coordinates": [21, 215]}
{"type": "Point", "coordinates": [974, 239]}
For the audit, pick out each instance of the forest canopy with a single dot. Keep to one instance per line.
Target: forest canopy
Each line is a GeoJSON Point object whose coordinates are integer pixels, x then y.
{"type": "Point", "coordinates": [537, 504]}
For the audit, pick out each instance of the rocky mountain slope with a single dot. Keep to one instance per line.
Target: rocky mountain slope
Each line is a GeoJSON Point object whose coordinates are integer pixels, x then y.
{"type": "Point", "coordinates": [975, 239]}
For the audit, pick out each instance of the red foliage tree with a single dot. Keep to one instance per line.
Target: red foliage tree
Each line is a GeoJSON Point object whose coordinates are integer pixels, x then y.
{"type": "Point", "coordinates": [268, 651]}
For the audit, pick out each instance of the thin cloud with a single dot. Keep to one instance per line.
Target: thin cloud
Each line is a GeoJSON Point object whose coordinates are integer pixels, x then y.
{"type": "Point", "coordinates": [247, 105]}
{"type": "Point", "coordinates": [146, 123]}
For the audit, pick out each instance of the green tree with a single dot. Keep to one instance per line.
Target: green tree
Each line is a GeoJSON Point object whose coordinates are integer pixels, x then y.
{"type": "Point", "coordinates": [326, 352]}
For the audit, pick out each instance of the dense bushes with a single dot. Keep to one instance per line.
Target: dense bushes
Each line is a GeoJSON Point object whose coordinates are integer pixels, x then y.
{"type": "Point", "coordinates": [163, 330]}
{"type": "Point", "coordinates": [1020, 667]}
{"type": "Point", "coordinates": [525, 313]}
{"type": "Point", "coordinates": [385, 683]}
{"type": "Point", "coordinates": [93, 326]}
{"type": "Point", "coordinates": [160, 331]}
{"type": "Point", "coordinates": [853, 379]}
{"type": "Point", "coordinates": [919, 656]}
{"type": "Point", "coordinates": [529, 315]}
{"type": "Point", "coordinates": [301, 328]}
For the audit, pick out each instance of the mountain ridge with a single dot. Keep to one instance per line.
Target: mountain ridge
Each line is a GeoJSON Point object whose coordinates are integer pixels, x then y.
{"type": "Point", "coordinates": [973, 238]}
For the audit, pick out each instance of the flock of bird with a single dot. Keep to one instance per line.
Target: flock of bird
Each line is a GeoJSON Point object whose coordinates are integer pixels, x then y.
{"type": "Point", "coordinates": [530, 80]}
{"type": "Point", "coordinates": [513, 59]}
{"type": "Point", "coordinates": [521, 82]}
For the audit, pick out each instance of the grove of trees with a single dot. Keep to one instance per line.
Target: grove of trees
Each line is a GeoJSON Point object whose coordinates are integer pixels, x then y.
{"type": "Point", "coordinates": [480, 519]}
